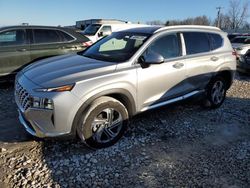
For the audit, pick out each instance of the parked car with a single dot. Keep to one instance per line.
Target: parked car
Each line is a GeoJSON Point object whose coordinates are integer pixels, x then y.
{"type": "Point", "coordinates": [96, 31]}
{"type": "Point", "coordinates": [22, 45]}
{"type": "Point", "coordinates": [241, 45]}
{"type": "Point", "coordinates": [240, 40]}
{"type": "Point", "coordinates": [243, 58]}
{"type": "Point", "coordinates": [231, 36]}
{"type": "Point", "coordinates": [95, 92]}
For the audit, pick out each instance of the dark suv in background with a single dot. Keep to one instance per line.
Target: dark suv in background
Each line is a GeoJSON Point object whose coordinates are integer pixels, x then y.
{"type": "Point", "coordinates": [22, 45]}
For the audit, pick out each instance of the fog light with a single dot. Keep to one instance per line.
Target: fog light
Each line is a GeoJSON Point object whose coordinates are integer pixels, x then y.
{"type": "Point", "coordinates": [44, 103]}
{"type": "Point", "coordinates": [48, 104]}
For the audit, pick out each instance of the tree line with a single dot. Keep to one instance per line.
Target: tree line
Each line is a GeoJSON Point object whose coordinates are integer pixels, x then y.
{"type": "Point", "coordinates": [233, 19]}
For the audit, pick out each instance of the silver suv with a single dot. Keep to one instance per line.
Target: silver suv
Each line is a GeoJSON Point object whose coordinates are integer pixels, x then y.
{"type": "Point", "coordinates": [93, 93]}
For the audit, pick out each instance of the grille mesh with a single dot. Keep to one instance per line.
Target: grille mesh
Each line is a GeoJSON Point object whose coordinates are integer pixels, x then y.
{"type": "Point", "coordinates": [22, 96]}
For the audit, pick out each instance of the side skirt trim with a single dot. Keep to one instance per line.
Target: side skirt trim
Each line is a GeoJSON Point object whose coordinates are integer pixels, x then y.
{"type": "Point", "coordinates": [172, 100]}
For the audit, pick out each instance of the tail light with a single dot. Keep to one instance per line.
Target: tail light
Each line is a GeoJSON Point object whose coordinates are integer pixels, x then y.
{"type": "Point", "coordinates": [87, 44]}
{"type": "Point", "coordinates": [234, 53]}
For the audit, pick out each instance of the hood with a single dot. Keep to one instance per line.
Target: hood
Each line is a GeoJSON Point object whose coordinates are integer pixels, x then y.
{"type": "Point", "coordinates": [66, 69]}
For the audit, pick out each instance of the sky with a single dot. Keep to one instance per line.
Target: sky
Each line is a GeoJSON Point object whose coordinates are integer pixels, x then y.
{"type": "Point", "coordinates": [67, 12]}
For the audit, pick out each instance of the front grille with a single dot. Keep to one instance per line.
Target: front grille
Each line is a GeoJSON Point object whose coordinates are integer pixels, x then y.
{"type": "Point", "coordinates": [22, 96]}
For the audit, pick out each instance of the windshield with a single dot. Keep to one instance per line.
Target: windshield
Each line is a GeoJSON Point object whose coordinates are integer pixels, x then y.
{"type": "Point", "coordinates": [118, 47]}
{"type": "Point", "coordinates": [91, 29]}
{"type": "Point", "coordinates": [240, 40]}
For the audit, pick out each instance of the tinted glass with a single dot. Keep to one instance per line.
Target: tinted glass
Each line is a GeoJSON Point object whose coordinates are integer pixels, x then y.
{"type": "Point", "coordinates": [167, 46]}
{"type": "Point", "coordinates": [66, 37]}
{"type": "Point", "coordinates": [117, 47]}
{"type": "Point", "coordinates": [12, 37]}
{"type": "Point", "coordinates": [91, 29]}
{"type": "Point", "coordinates": [196, 42]}
{"type": "Point", "coordinates": [216, 41]}
{"type": "Point", "coordinates": [46, 36]}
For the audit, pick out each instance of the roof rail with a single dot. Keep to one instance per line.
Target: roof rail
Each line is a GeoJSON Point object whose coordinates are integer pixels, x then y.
{"type": "Point", "coordinates": [187, 27]}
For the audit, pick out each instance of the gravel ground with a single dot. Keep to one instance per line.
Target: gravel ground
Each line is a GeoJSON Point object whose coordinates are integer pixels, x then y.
{"type": "Point", "coordinates": [182, 145]}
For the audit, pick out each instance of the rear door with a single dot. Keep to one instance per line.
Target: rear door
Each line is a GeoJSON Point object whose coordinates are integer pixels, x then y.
{"type": "Point", "coordinates": [45, 43]}
{"type": "Point", "coordinates": [14, 51]}
{"type": "Point", "coordinates": [201, 57]}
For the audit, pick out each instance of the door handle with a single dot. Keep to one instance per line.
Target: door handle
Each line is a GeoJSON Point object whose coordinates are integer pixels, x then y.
{"type": "Point", "coordinates": [214, 58]}
{"type": "Point", "coordinates": [22, 50]}
{"type": "Point", "coordinates": [178, 65]}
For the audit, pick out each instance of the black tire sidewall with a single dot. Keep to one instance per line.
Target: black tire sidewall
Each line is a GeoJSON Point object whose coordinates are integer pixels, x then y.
{"type": "Point", "coordinates": [209, 92]}
{"type": "Point", "coordinates": [85, 131]}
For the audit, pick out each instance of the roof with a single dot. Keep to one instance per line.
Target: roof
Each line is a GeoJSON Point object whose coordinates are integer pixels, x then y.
{"type": "Point", "coordinates": [32, 26]}
{"type": "Point", "coordinates": [243, 36]}
{"type": "Point", "coordinates": [155, 29]}
{"type": "Point", "coordinates": [147, 30]}
{"type": "Point", "coordinates": [189, 27]}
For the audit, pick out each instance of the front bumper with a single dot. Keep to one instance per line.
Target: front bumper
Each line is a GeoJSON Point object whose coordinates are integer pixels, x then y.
{"type": "Point", "coordinates": [41, 122]}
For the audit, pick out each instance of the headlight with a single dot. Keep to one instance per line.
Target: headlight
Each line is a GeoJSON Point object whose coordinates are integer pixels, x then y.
{"type": "Point", "coordinates": [45, 103]}
{"type": "Point", "coordinates": [57, 89]}
{"type": "Point", "coordinates": [239, 48]}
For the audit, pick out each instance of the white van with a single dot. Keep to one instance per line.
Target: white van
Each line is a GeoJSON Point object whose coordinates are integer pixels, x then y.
{"type": "Point", "coordinates": [96, 31]}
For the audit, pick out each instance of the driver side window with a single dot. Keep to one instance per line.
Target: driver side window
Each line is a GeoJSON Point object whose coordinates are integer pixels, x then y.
{"type": "Point", "coordinates": [168, 46]}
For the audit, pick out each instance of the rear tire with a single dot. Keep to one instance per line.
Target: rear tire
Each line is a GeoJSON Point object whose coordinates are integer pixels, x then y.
{"type": "Point", "coordinates": [216, 93]}
{"type": "Point", "coordinates": [103, 123]}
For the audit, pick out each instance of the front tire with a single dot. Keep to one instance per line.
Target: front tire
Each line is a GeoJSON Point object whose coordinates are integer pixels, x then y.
{"type": "Point", "coordinates": [103, 123]}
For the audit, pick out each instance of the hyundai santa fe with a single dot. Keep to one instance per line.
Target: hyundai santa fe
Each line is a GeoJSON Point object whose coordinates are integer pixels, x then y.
{"type": "Point", "coordinates": [93, 93]}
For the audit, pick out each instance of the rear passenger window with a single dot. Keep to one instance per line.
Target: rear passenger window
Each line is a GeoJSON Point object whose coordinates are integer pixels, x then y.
{"type": "Point", "coordinates": [196, 42]}
{"type": "Point", "coordinates": [216, 41]}
{"type": "Point", "coordinates": [12, 37]}
{"type": "Point", "coordinates": [66, 37]}
{"type": "Point", "coordinates": [168, 46]}
{"type": "Point", "coordinates": [46, 36]}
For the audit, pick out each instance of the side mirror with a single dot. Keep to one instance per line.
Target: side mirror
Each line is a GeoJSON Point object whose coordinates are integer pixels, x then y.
{"type": "Point", "coordinates": [151, 58]}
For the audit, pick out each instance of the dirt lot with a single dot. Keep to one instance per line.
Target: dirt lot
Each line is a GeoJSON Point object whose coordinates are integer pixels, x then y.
{"type": "Point", "coordinates": [181, 145]}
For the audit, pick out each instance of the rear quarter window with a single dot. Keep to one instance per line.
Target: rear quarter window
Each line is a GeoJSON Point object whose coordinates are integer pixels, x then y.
{"type": "Point", "coordinates": [66, 37]}
{"type": "Point", "coordinates": [196, 42]}
{"type": "Point", "coordinates": [215, 40]}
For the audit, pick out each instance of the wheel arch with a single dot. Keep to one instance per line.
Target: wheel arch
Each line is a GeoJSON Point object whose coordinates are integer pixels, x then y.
{"type": "Point", "coordinates": [226, 74]}
{"type": "Point", "coordinates": [122, 95]}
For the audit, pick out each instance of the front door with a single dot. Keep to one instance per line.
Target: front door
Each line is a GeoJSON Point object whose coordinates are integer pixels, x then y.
{"type": "Point", "coordinates": [160, 82]}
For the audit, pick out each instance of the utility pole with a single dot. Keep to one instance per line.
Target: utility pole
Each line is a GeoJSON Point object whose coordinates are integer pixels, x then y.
{"type": "Point", "coordinates": [218, 15]}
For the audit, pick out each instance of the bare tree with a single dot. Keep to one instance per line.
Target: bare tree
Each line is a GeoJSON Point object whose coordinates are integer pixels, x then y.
{"type": "Point", "coordinates": [199, 20]}
{"type": "Point", "coordinates": [237, 13]}
{"type": "Point", "coordinates": [155, 22]}
{"type": "Point", "coordinates": [225, 22]}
